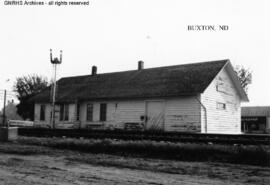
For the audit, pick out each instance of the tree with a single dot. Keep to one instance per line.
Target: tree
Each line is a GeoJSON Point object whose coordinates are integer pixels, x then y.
{"type": "Point", "coordinates": [11, 111]}
{"type": "Point", "coordinates": [27, 87]}
{"type": "Point", "coordinates": [245, 76]}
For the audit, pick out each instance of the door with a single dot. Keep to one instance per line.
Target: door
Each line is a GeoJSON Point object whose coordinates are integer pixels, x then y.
{"type": "Point", "coordinates": [155, 115]}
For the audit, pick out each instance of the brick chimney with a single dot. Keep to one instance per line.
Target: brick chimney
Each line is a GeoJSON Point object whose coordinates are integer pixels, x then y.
{"type": "Point", "coordinates": [94, 70]}
{"type": "Point", "coordinates": [140, 65]}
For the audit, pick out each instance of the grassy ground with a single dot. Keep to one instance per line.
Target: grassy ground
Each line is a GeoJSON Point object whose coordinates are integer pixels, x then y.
{"type": "Point", "coordinates": [251, 155]}
{"type": "Point", "coordinates": [47, 164]}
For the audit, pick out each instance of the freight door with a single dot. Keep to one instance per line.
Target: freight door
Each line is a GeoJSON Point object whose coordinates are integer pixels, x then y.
{"type": "Point", "coordinates": [155, 115]}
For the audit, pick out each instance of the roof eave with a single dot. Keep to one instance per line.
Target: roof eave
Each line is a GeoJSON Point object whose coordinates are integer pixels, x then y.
{"type": "Point", "coordinates": [235, 79]}
{"type": "Point", "coordinates": [227, 60]}
{"type": "Point", "coordinates": [239, 88]}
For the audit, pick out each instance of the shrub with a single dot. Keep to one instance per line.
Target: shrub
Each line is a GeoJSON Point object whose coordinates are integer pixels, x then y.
{"type": "Point", "coordinates": [254, 155]}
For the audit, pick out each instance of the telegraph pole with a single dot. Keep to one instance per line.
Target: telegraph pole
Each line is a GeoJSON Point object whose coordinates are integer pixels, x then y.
{"type": "Point", "coordinates": [54, 61]}
{"type": "Point", "coordinates": [4, 109]}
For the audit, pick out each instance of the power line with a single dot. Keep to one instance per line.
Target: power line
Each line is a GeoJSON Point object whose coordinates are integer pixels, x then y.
{"type": "Point", "coordinates": [8, 94]}
{"type": "Point", "coordinates": [7, 90]}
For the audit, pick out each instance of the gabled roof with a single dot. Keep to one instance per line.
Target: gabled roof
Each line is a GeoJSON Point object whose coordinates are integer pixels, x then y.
{"type": "Point", "coordinates": [236, 82]}
{"type": "Point", "coordinates": [170, 81]}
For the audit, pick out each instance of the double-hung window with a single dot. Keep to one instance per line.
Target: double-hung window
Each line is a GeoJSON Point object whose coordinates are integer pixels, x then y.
{"type": "Point", "coordinates": [78, 109]}
{"type": "Point", "coordinates": [64, 112]}
{"type": "Point", "coordinates": [103, 112]}
{"type": "Point", "coordinates": [89, 112]}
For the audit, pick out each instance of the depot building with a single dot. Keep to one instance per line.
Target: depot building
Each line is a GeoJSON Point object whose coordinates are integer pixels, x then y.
{"type": "Point", "coordinates": [255, 119]}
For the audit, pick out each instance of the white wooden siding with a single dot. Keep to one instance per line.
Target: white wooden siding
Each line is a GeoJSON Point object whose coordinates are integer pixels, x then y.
{"type": "Point", "coordinates": [183, 114]}
{"type": "Point", "coordinates": [155, 114]}
{"type": "Point", "coordinates": [117, 112]}
{"type": "Point", "coordinates": [72, 113]}
{"type": "Point", "coordinates": [37, 120]}
{"type": "Point", "coordinates": [96, 113]}
{"type": "Point", "coordinates": [71, 122]}
{"type": "Point", "coordinates": [218, 120]}
{"type": "Point", "coordinates": [37, 112]}
{"type": "Point", "coordinates": [130, 111]}
{"type": "Point", "coordinates": [204, 116]}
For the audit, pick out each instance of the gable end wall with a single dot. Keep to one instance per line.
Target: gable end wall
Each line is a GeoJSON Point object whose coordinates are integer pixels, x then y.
{"type": "Point", "coordinates": [219, 120]}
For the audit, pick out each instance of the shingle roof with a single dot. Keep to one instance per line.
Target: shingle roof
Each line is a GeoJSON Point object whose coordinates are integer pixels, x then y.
{"type": "Point", "coordinates": [170, 81]}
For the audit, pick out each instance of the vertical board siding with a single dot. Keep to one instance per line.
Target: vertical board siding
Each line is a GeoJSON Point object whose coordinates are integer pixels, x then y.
{"type": "Point", "coordinates": [111, 108]}
{"type": "Point", "coordinates": [218, 120]}
{"type": "Point", "coordinates": [72, 113]}
{"type": "Point", "coordinates": [155, 113]}
{"type": "Point", "coordinates": [37, 112]}
{"type": "Point", "coordinates": [96, 109]}
{"type": "Point", "coordinates": [129, 111]}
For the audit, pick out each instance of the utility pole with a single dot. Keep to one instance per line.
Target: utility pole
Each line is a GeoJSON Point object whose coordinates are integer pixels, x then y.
{"type": "Point", "coordinates": [4, 109]}
{"type": "Point", "coordinates": [54, 61]}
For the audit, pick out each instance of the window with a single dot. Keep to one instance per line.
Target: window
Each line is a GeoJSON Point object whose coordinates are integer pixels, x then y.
{"type": "Point", "coordinates": [78, 112]}
{"type": "Point", "coordinates": [64, 112]}
{"type": "Point", "coordinates": [103, 112]}
{"type": "Point", "coordinates": [221, 87]}
{"type": "Point", "coordinates": [61, 112]}
{"type": "Point", "coordinates": [89, 112]}
{"type": "Point", "coordinates": [42, 112]}
{"type": "Point", "coordinates": [221, 106]}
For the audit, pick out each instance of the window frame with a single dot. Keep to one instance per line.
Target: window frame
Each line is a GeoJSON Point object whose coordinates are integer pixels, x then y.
{"type": "Point", "coordinates": [103, 112]}
{"type": "Point", "coordinates": [221, 106]}
{"type": "Point", "coordinates": [64, 112]}
{"type": "Point", "coordinates": [78, 111]}
{"type": "Point", "coordinates": [42, 113]}
{"type": "Point", "coordinates": [89, 111]}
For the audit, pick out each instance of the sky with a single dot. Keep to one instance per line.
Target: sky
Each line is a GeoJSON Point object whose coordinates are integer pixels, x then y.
{"type": "Point", "coordinates": [115, 35]}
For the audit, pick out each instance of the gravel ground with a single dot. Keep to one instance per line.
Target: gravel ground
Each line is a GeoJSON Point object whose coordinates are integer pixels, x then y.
{"type": "Point", "coordinates": [56, 170]}
{"type": "Point", "coordinates": [63, 167]}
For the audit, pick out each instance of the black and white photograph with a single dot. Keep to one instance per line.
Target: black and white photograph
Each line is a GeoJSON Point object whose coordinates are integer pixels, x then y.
{"type": "Point", "coordinates": [134, 92]}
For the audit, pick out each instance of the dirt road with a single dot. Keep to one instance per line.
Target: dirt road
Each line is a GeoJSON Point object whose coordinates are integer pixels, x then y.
{"type": "Point", "coordinates": [25, 165]}
{"type": "Point", "coordinates": [42, 169]}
